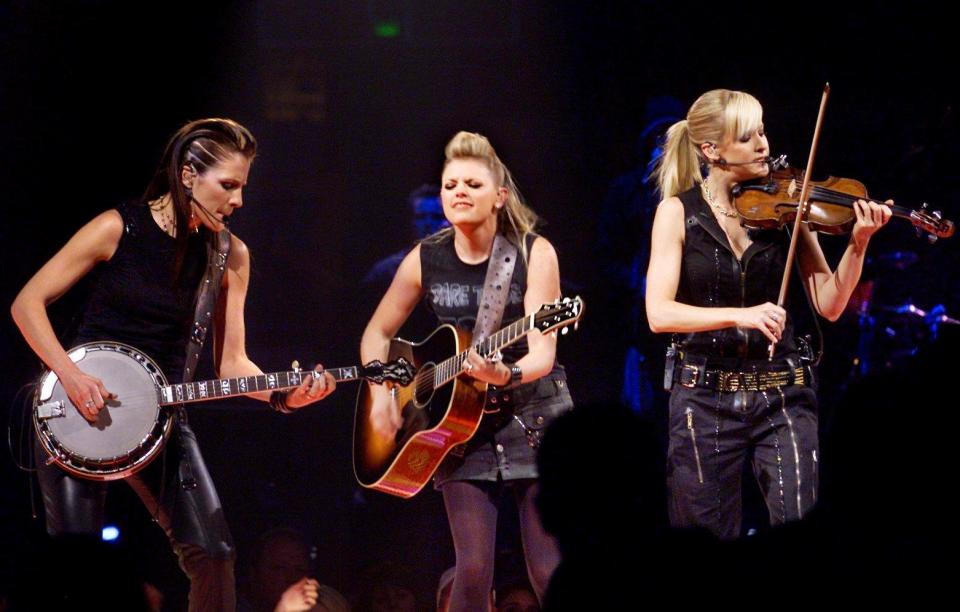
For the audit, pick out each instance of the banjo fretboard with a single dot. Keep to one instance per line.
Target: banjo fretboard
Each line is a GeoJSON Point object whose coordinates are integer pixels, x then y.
{"type": "Point", "coordinates": [226, 387]}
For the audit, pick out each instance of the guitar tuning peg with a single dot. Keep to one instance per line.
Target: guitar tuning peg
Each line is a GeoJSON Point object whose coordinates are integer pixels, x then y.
{"type": "Point", "coordinates": [563, 332]}
{"type": "Point", "coordinates": [931, 238]}
{"type": "Point", "coordinates": [576, 325]}
{"type": "Point", "coordinates": [295, 365]}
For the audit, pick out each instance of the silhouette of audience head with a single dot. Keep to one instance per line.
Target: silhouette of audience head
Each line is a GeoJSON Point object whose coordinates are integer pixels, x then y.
{"type": "Point", "coordinates": [601, 478]}
{"type": "Point", "coordinates": [80, 572]}
{"type": "Point", "coordinates": [280, 558]}
{"type": "Point", "coordinates": [516, 596]}
{"type": "Point", "coordinates": [386, 587]}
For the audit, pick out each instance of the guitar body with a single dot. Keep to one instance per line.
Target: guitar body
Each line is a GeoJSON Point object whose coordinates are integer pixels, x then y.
{"type": "Point", "coordinates": [434, 419]}
{"type": "Point", "coordinates": [128, 432]}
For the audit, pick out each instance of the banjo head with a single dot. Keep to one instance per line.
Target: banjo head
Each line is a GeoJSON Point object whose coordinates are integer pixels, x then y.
{"type": "Point", "coordinates": [130, 429]}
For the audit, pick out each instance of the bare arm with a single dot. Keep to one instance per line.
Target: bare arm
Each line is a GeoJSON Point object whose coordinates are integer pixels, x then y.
{"type": "Point", "coordinates": [830, 291]}
{"type": "Point", "coordinates": [95, 242]}
{"type": "Point", "coordinates": [397, 304]}
{"type": "Point", "coordinates": [665, 313]}
{"type": "Point", "coordinates": [230, 352]}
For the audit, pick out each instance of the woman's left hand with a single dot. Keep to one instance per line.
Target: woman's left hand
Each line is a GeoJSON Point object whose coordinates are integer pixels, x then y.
{"type": "Point", "coordinates": [315, 387]}
{"type": "Point", "coordinates": [486, 370]}
{"type": "Point", "coordinates": [870, 218]}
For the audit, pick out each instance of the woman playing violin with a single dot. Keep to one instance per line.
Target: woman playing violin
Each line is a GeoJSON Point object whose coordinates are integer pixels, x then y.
{"type": "Point", "coordinates": [715, 284]}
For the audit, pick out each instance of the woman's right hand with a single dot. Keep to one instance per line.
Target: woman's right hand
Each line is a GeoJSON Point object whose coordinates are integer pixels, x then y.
{"type": "Point", "coordinates": [384, 412]}
{"type": "Point", "coordinates": [299, 596]}
{"type": "Point", "coordinates": [769, 318]}
{"type": "Point", "coordinates": [86, 392]}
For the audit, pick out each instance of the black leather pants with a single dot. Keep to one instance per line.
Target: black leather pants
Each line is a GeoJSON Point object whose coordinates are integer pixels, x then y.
{"type": "Point", "coordinates": [178, 491]}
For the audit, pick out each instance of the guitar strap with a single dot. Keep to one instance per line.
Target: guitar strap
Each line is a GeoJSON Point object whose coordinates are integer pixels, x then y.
{"type": "Point", "coordinates": [218, 249]}
{"type": "Point", "coordinates": [496, 288]}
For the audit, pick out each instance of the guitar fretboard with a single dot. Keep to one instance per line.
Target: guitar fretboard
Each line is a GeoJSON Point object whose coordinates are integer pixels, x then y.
{"type": "Point", "coordinates": [226, 387]}
{"type": "Point", "coordinates": [448, 369]}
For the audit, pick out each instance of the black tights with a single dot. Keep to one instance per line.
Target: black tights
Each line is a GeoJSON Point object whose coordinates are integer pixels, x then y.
{"type": "Point", "coordinates": [472, 513]}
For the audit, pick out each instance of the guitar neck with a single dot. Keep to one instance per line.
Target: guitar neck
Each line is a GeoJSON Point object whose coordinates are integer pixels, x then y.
{"type": "Point", "coordinates": [450, 368]}
{"type": "Point", "coordinates": [183, 393]}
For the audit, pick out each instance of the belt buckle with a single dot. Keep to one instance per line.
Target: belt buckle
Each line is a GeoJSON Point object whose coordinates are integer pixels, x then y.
{"type": "Point", "coordinates": [696, 375]}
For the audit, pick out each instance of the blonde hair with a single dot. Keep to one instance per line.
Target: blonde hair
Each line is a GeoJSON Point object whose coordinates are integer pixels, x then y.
{"type": "Point", "coordinates": [717, 114]}
{"type": "Point", "coordinates": [515, 219]}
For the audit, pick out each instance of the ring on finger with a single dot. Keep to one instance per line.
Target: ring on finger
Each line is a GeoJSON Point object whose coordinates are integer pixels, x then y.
{"type": "Point", "coordinates": [88, 403]}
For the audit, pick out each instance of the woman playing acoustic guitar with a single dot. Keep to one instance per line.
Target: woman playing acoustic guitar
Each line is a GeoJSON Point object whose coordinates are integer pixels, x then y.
{"type": "Point", "coordinates": [448, 269]}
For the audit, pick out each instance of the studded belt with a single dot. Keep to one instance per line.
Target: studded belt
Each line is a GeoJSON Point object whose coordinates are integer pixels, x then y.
{"type": "Point", "coordinates": [691, 375]}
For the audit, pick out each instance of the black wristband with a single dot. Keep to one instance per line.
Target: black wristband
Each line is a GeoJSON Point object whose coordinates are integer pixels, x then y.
{"type": "Point", "coordinates": [278, 401]}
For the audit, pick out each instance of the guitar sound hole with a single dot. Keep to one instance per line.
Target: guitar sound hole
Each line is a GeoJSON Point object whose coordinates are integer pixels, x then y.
{"type": "Point", "coordinates": [423, 385]}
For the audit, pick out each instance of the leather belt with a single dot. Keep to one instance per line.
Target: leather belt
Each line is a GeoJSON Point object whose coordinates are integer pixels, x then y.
{"type": "Point", "coordinates": [691, 375]}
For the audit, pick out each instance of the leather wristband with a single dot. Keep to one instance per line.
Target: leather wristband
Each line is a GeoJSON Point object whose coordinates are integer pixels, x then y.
{"type": "Point", "coordinates": [278, 401]}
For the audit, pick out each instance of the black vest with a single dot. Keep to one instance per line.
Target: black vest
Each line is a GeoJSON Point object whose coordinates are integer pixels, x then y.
{"type": "Point", "coordinates": [712, 276]}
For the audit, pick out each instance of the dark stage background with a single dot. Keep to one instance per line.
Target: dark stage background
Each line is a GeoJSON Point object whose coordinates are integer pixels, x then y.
{"type": "Point", "coordinates": [352, 103]}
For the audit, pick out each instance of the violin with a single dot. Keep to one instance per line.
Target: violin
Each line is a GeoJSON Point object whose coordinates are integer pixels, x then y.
{"type": "Point", "coordinates": [772, 201]}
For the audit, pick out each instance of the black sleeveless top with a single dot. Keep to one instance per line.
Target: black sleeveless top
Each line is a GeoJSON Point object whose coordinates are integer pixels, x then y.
{"type": "Point", "coordinates": [135, 299]}
{"type": "Point", "coordinates": [712, 276]}
{"type": "Point", "coordinates": [453, 288]}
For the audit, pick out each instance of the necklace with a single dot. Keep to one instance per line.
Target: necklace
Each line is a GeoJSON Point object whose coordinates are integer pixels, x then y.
{"type": "Point", "coordinates": [720, 209]}
{"type": "Point", "coordinates": [168, 223]}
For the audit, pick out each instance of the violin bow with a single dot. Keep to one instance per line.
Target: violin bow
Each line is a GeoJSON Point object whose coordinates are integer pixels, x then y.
{"type": "Point", "coordinates": [801, 207]}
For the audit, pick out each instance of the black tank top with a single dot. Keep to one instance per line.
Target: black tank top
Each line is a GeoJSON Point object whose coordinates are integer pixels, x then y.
{"type": "Point", "coordinates": [453, 288]}
{"type": "Point", "coordinates": [135, 299]}
{"type": "Point", "coordinates": [712, 276]}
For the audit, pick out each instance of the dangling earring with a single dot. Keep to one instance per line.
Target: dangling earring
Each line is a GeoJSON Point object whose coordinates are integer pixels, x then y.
{"type": "Point", "coordinates": [190, 222]}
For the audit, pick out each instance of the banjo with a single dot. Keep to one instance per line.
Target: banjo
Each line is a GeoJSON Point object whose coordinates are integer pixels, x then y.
{"type": "Point", "coordinates": [133, 426]}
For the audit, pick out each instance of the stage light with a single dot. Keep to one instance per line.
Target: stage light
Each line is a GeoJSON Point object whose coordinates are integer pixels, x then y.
{"type": "Point", "coordinates": [110, 533]}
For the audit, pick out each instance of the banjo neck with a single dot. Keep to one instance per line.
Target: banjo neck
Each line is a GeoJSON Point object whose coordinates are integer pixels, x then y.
{"type": "Point", "coordinates": [182, 393]}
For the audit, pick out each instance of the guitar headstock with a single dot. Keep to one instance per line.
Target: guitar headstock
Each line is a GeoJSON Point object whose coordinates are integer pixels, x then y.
{"type": "Point", "coordinates": [932, 222]}
{"type": "Point", "coordinates": [559, 315]}
{"type": "Point", "coordinates": [399, 371]}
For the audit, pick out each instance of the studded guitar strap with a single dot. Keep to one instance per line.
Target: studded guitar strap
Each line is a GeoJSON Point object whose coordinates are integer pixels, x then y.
{"type": "Point", "coordinates": [496, 288]}
{"type": "Point", "coordinates": [218, 249]}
